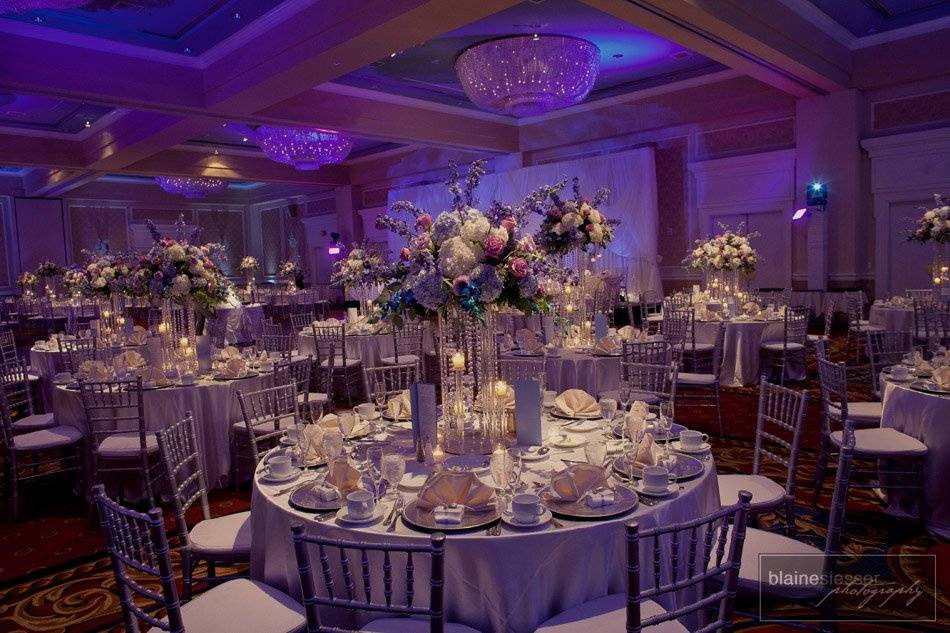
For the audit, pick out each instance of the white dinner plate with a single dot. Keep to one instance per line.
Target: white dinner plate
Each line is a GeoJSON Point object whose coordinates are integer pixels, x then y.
{"type": "Point", "coordinates": [528, 453]}
{"type": "Point", "coordinates": [672, 489]}
{"type": "Point", "coordinates": [569, 442]}
{"type": "Point", "coordinates": [585, 426]}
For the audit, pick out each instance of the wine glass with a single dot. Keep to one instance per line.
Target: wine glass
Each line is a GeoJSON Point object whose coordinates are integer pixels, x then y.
{"type": "Point", "coordinates": [626, 392]}
{"type": "Point", "coordinates": [372, 467]}
{"type": "Point", "coordinates": [331, 444]}
{"type": "Point", "coordinates": [596, 452]}
{"type": "Point", "coordinates": [513, 469]}
{"type": "Point", "coordinates": [392, 469]}
{"type": "Point", "coordinates": [379, 396]}
{"type": "Point", "coordinates": [347, 421]}
{"type": "Point", "coordinates": [608, 410]}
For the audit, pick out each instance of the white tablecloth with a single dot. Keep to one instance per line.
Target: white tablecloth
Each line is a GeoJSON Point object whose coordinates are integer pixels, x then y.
{"type": "Point", "coordinates": [576, 370]}
{"type": "Point", "coordinates": [369, 348]}
{"type": "Point", "coordinates": [509, 583]}
{"type": "Point", "coordinates": [892, 319]}
{"type": "Point", "coordinates": [242, 324]}
{"type": "Point", "coordinates": [926, 417]}
{"type": "Point", "coordinates": [741, 349]}
{"type": "Point", "coordinates": [43, 364]}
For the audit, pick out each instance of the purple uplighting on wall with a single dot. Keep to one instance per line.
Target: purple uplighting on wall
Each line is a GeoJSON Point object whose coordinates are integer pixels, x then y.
{"type": "Point", "coordinates": [528, 75]}
{"type": "Point", "coordinates": [305, 150]}
{"type": "Point", "coordinates": [191, 187]}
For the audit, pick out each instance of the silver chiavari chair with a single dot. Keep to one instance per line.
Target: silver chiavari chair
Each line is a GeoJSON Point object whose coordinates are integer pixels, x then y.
{"type": "Point", "coordinates": [894, 459]}
{"type": "Point", "coordinates": [886, 348]}
{"type": "Point", "coordinates": [74, 352]}
{"type": "Point", "coordinates": [923, 294]}
{"type": "Point", "coordinates": [297, 373]}
{"type": "Point", "coordinates": [931, 322]}
{"type": "Point", "coordinates": [858, 326]}
{"type": "Point", "coordinates": [344, 370]}
{"type": "Point", "coordinates": [394, 379]}
{"type": "Point", "coordinates": [651, 314]}
{"type": "Point", "coordinates": [138, 548]}
{"type": "Point", "coordinates": [282, 344]}
{"type": "Point", "coordinates": [225, 540]}
{"type": "Point", "coordinates": [121, 440]}
{"type": "Point", "coordinates": [652, 384]}
{"type": "Point", "coordinates": [15, 382]}
{"type": "Point", "coordinates": [679, 328]}
{"type": "Point", "coordinates": [648, 352]}
{"type": "Point", "coordinates": [702, 555]}
{"type": "Point", "coordinates": [300, 321]}
{"type": "Point", "coordinates": [270, 328]}
{"type": "Point", "coordinates": [777, 354]}
{"type": "Point", "coordinates": [8, 351]}
{"type": "Point", "coordinates": [266, 414]}
{"type": "Point", "coordinates": [407, 344]}
{"type": "Point", "coordinates": [358, 562]}
{"type": "Point", "coordinates": [702, 384]}
{"type": "Point", "coordinates": [41, 453]}
{"type": "Point", "coordinates": [778, 435]}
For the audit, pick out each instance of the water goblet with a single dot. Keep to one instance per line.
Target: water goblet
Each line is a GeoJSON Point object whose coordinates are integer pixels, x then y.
{"type": "Point", "coordinates": [331, 444]}
{"type": "Point", "coordinates": [513, 469]}
{"type": "Point", "coordinates": [596, 452]}
{"type": "Point", "coordinates": [392, 469]}
{"type": "Point", "coordinates": [347, 421]}
{"type": "Point", "coordinates": [379, 396]}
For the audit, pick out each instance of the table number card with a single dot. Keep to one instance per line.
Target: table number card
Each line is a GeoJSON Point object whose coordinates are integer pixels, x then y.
{"type": "Point", "coordinates": [528, 412]}
{"type": "Point", "coordinates": [600, 326]}
{"type": "Point", "coordinates": [424, 414]}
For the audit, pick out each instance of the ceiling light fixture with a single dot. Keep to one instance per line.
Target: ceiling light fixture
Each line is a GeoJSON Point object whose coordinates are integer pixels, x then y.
{"type": "Point", "coordinates": [22, 6]}
{"type": "Point", "coordinates": [191, 187]}
{"type": "Point", "coordinates": [305, 150]}
{"type": "Point", "coordinates": [528, 75]}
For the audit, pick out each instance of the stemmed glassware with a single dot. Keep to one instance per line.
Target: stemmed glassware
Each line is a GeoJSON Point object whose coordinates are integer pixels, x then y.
{"type": "Point", "coordinates": [664, 426]}
{"type": "Point", "coordinates": [595, 451]}
{"type": "Point", "coordinates": [392, 469]}
{"type": "Point", "coordinates": [499, 471]}
{"type": "Point", "coordinates": [514, 466]}
{"type": "Point", "coordinates": [626, 393]}
{"type": "Point", "coordinates": [372, 468]}
{"type": "Point", "coordinates": [379, 396]}
{"type": "Point", "coordinates": [608, 410]}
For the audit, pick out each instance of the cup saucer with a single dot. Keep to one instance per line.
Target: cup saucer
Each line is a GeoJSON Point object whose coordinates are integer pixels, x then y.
{"type": "Point", "coordinates": [270, 478]}
{"type": "Point", "coordinates": [569, 441]}
{"type": "Point", "coordinates": [652, 492]}
{"type": "Point", "coordinates": [343, 516]}
{"type": "Point", "coordinates": [508, 518]}
{"type": "Point", "coordinates": [693, 450]}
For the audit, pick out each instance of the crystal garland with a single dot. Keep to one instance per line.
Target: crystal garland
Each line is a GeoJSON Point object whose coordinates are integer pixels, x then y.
{"type": "Point", "coordinates": [727, 285]}
{"type": "Point", "coordinates": [112, 320]}
{"type": "Point", "coordinates": [179, 341]}
{"type": "Point", "coordinates": [468, 367]}
{"type": "Point", "coordinates": [940, 272]}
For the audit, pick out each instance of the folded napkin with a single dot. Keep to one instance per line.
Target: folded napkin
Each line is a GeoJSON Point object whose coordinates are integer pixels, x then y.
{"type": "Point", "coordinates": [400, 407]}
{"type": "Point", "coordinates": [128, 358]}
{"type": "Point", "coordinates": [138, 336]}
{"type": "Point", "coordinates": [329, 421]}
{"type": "Point", "coordinates": [343, 476]}
{"type": "Point", "coordinates": [448, 514]}
{"type": "Point", "coordinates": [942, 377]}
{"type": "Point", "coordinates": [628, 333]}
{"type": "Point", "coordinates": [95, 370]}
{"type": "Point", "coordinates": [607, 345]}
{"type": "Point", "coordinates": [577, 402]}
{"type": "Point", "coordinates": [750, 307]}
{"type": "Point", "coordinates": [234, 367]}
{"type": "Point", "coordinates": [325, 492]}
{"type": "Point", "coordinates": [600, 498]}
{"type": "Point", "coordinates": [639, 409]}
{"type": "Point", "coordinates": [574, 482]}
{"type": "Point", "coordinates": [456, 488]}
{"type": "Point", "coordinates": [528, 340]}
{"type": "Point", "coordinates": [647, 452]}
{"type": "Point", "coordinates": [633, 425]}
{"type": "Point", "coordinates": [922, 365]}
{"type": "Point", "coordinates": [230, 352]}
{"type": "Point", "coordinates": [312, 438]}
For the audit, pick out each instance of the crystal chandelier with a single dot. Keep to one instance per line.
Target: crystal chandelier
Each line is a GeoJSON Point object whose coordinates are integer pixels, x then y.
{"type": "Point", "coordinates": [191, 187]}
{"type": "Point", "coordinates": [528, 75]}
{"type": "Point", "coordinates": [22, 6]}
{"type": "Point", "coordinates": [303, 149]}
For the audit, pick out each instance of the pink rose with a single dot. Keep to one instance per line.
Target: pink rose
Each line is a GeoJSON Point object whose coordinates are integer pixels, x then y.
{"type": "Point", "coordinates": [424, 221]}
{"type": "Point", "coordinates": [519, 267]}
{"type": "Point", "coordinates": [526, 244]}
{"type": "Point", "coordinates": [494, 245]}
{"type": "Point", "coordinates": [508, 224]}
{"type": "Point", "coordinates": [404, 254]}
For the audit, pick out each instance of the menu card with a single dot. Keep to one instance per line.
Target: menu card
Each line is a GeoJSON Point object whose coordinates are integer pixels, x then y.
{"type": "Point", "coordinates": [528, 412]}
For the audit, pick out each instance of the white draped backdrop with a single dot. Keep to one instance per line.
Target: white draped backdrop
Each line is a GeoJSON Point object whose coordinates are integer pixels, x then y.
{"type": "Point", "coordinates": [631, 178]}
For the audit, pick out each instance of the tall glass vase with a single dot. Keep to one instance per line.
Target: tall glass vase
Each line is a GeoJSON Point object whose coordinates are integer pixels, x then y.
{"type": "Point", "coordinates": [940, 272]}
{"type": "Point", "coordinates": [179, 339]}
{"type": "Point", "coordinates": [471, 421]}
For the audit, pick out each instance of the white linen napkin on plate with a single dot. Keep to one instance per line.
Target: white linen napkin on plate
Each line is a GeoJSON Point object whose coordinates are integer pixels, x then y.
{"type": "Point", "coordinates": [452, 488]}
{"type": "Point", "coordinates": [95, 370]}
{"type": "Point", "coordinates": [577, 403]}
{"type": "Point", "coordinates": [400, 407]}
{"type": "Point", "coordinates": [575, 482]}
{"type": "Point", "coordinates": [942, 377]}
{"type": "Point", "coordinates": [607, 345]}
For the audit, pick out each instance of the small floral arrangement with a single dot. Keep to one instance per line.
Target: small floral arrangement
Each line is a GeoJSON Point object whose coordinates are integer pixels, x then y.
{"type": "Point", "coordinates": [49, 269]}
{"type": "Point", "coordinates": [249, 264]}
{"type": "Point", "coordinates": [573, 223]}
{"type": "Point", "coordinates": [727, 250]}
{"type": "Point", "coordinates": [463, 259]}
{"type": "Point", "coordinates": [362, 266]}
{"type": "Point", "coordinates": [26, 280]}
{"type": "Point", "coordinates": [103, 276]}
{"type": "Point", "coordinates": [934, 224]}
{"type": "Point", "coordinates": [290, 272]}
{"type": "Point", "coordinates": [73, 279]}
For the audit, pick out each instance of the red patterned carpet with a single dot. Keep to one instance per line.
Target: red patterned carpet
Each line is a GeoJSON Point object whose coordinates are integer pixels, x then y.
{"type": "Point", "coordinates": [55, 576]}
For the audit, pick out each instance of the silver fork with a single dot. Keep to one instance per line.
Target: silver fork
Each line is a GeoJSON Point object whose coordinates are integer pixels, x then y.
{"type": "Point", "coordinates": [397, 512]}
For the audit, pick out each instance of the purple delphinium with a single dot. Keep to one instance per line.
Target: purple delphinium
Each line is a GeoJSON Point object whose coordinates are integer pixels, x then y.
{"type": "Point", "coordinates": [428, 289]}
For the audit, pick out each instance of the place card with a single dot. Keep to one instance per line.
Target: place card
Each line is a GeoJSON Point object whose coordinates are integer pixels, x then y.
{"type": "Point", "coordinates": [424, 413]}
{"type": "Point", "coordinates": [600, 326]}
{"type": "Point", "coordinates": [352, 315]}
{"type": "Point", "coordinates": [528, 412]}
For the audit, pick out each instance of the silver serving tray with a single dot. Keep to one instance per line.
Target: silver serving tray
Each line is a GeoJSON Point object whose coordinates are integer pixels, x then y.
{"type": "Point", "coordinates": [625, 500]}
{"type": "Point", "coordinates": [422, 519]}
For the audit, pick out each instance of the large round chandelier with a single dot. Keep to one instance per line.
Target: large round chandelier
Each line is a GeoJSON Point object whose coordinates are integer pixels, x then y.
{"type": "Point", "coordinates": [22, 6]}
{"type": "Point", "coordinates": [305, 150]}
{"type": "Point", "coordinates": [528, 75]}
{"type": "Point", "coordinates": [191, 187]}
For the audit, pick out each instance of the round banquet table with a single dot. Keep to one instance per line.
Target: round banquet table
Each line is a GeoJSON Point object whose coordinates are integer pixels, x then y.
{"type": "Point", "coordinates": [924, 416]}
{"type": "Point", "coordinates": [242, 324]}
{"type": "Point", "coordinates": [892, 318]}
{"type": "Point", "coordinates": [578, 370]}
{"type": "Point", "coordinates": [213, 404]}
{"type": "Point", "coordinates": [741, 349]}
{"type": "Point", "coordinates": [511, 582]}
{"type": "Point", "coordinates": [369, 348]}
{"type": "Point", "coordinates": [43, 365]}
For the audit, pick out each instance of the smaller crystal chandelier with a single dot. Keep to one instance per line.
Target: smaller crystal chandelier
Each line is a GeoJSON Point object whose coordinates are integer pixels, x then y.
{"type": "Point", "coordinates": [22, 6]}
{"type": "Point", "coordinates": [528, 75]}
{"type": "Point", "coordinates": [191, 187]}
{"type": "Point", "coordinates": [305, 150]}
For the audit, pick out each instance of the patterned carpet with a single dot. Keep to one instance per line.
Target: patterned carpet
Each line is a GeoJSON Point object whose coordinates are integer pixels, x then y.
{"type": "Point", "coordinates": [56, 578]}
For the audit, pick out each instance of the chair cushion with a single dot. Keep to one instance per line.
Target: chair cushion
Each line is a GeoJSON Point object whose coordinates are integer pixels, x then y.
{"type": "Point", "coordinates": [814, 338]}
{"type": "Point", "coordinates": [862, 411]}
{"type": "Point", "coordinates": [606, 614]}
{"type": "Point", "coordinates": [242, 606]}
{"type": "Point", "coordinates": [686, 378]}
{"type": "Point", "coordinates": [885, 442]}
{"type": "Point", "coordinates": [867, 327]}
{"type": "Point", "coordinates": [267, 426]}
{"type": "Point", "coordinates": [412, 625]}
{"type": "Point", "coordinates": [403, 360]}
{"type": "Point", "coordinates": [654, 317]}
{"type": "Point", "coordinates": [649, 398]}
{"type": "Point", "coordinates": [229, 534]}
{"type": "Point", "coordinates": [312, 397]}
{"type": "Point", "coordinates": [126, 445]}
{"type": "Point", "coordinates": [34, 422]}
{"type": "Point", "coordinates": [338, 362]}
{"type": "Point", "coordinates": [699, 347]}
{"type": "Point", "coordinates": [776, 346]}
{"type": "Point", "coordinates": [44, 439]}
{"type": "Point", "coordinates": [765, 492]}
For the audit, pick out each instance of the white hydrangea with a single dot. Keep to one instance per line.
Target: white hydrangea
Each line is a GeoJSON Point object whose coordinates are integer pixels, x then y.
{"type": "Point", "coordinates": [475, 227]}
{"type": "Point", "coordinates": [457, 257]}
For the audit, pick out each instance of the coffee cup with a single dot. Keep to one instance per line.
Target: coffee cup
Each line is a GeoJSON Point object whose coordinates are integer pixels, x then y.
{"type": "Point", "coordinates": [367, 410]}
{"type": "Point", "coordinates": [279, 465]}
{"type": "Point", "coordinates": [549, 398]}
{"type": "Point", "coordinates": [656, 478]}
{"type": "Point", "coordinates": [692, 439]}
{"type": "Point", "coordinates": [360, 504]}
{"type": "Point", "coordinates": [526, 507]}
{"type": "Point", "coordinates": [900, 372]}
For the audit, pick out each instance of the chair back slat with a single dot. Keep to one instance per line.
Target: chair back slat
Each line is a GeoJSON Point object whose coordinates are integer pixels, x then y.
{"type": "Point", "coordinates": [178, 447]}
{"type": "Point", "coordinates": [282, 344]}
{"type": "Point", "coordinates": [394, 379]}
{"type": "Point", "coordinates": [114, 406]}
{"type": "Point", "coordinates": [656, 380]}
{"type": "Point", "coordinates": [267, 413]}
{"type": "Point", "coordinates": [15, 381]}
{"type": "Point", "coordinates": [778, 429]}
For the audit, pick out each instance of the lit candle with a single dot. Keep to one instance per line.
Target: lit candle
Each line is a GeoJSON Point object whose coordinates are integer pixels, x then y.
{"type": "Point", "coordinates": [120, 321]}
{"type": "Point", "coordinates": [458, 361]}
{"type": "Point", "coordinates": [106, 314]}
{"type": "Point", "coordinates": [163, 328]}
{"type": "Point", "coordinates": [501, 389]}
{"type": "Point", "coordinates": [183, 342]}
{"type": "Point", "coordinates": [569, 308]}
{"type": "Point", "coordinates": [438, 455]}
{"type": "Point", "coordinates": [937, 280]}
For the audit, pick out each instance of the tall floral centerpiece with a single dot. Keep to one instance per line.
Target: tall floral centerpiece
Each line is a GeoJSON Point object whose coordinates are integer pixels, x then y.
{"type": "Point", "coordinates": [362, 271]}
{"type": "Point", "coordinates": [459, 268]}
{"type": "Point", "coordinates": [50, 272]}
{"type": "Point", "coordinates": [249, 266]}
{"type": "Point", "coordinates": [26, 282]}
{"type": "Point", "coordinates": [934, 226]}
{"type": "Point", "coordinates": [728, 260]}
{"type": "Point", "coordinates": [290, 272]}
